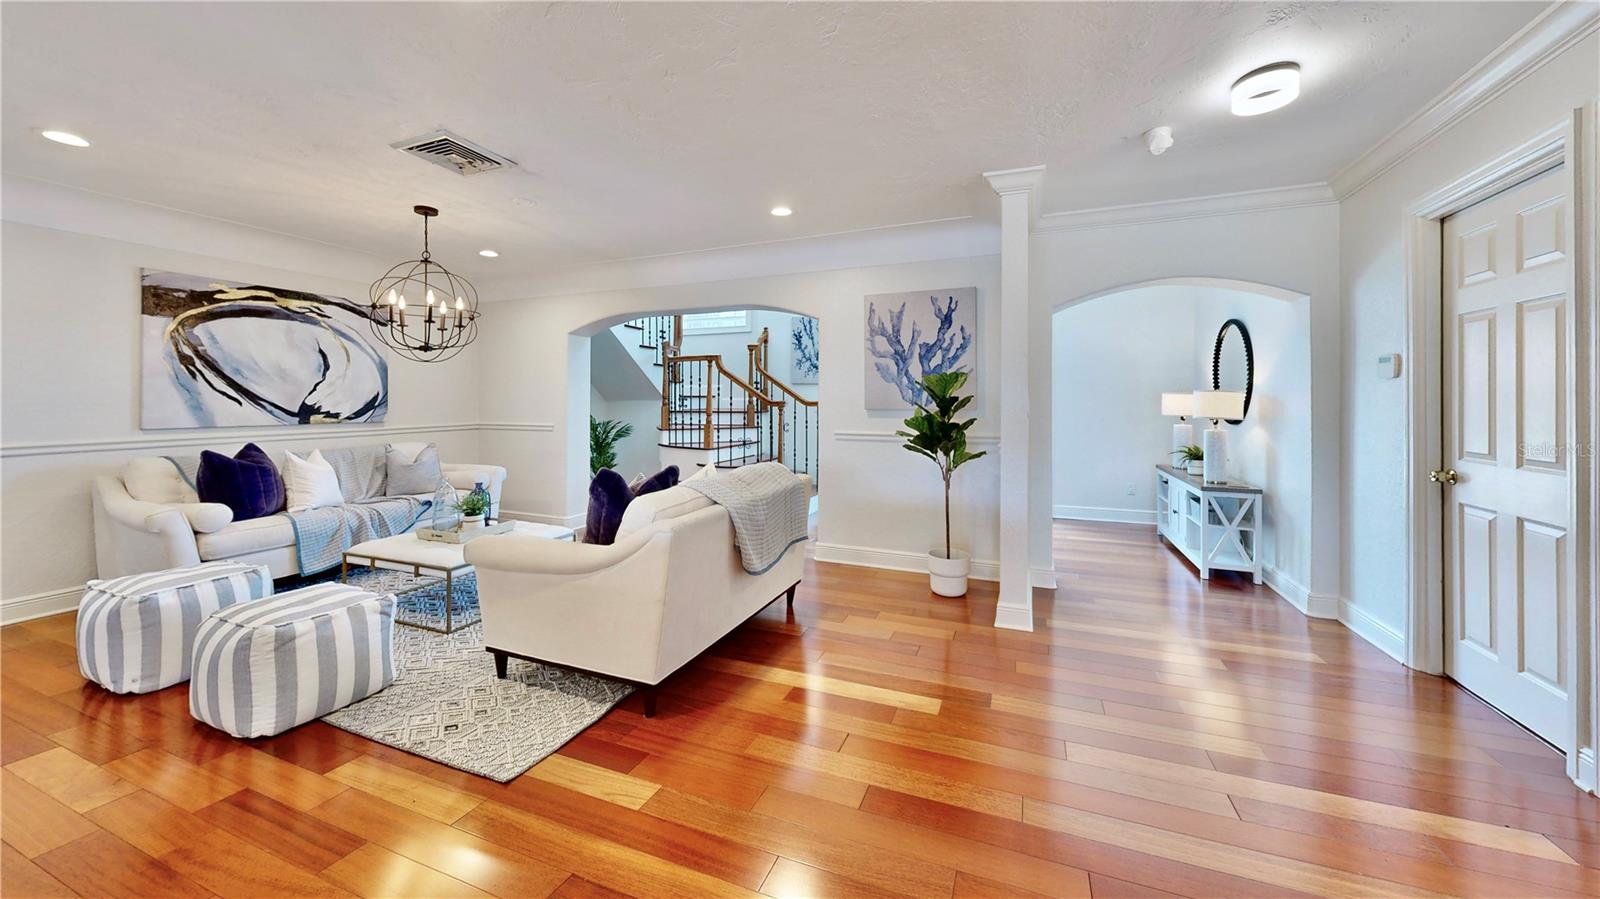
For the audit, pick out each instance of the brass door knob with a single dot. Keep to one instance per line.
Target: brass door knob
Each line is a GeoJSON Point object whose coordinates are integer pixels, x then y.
{"type": "Point", "coordinates": [1443, 476]}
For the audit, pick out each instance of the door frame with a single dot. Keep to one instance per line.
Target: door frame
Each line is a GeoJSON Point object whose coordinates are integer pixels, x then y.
{"type": "Point", "coordinates": [1569, 143]}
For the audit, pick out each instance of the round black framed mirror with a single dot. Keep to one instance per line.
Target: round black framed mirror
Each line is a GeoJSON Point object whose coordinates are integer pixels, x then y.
{"type": "Point", "coordinates": [1233, 363]}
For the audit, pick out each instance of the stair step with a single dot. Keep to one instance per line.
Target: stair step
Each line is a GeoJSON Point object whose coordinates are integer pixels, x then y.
{"type": "Point", "coordinates": [633, 326]}
{"type": "Point", "coordinates": [714, 426]}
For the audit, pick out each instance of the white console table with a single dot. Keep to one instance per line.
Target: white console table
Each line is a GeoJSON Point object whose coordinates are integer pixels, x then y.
{"type": "Point", "coordinates": [1215, 526]}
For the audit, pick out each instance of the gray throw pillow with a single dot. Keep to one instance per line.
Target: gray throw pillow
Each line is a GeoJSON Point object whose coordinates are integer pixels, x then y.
{"type": "Point", "coordinates": [408, 477]}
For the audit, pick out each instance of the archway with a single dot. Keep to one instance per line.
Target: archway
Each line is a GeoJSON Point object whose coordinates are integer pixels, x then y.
{"type": "Point", "coordinates": [1115, 351]}
{"type": "Point", "coordinates": [721, 386]}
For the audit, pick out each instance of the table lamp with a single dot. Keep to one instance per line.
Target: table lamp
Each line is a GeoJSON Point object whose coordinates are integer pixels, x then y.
{"type": "Point", "coordinates": [1219, 406]}
{"type": "Point", "coordinates": [1182, 406]}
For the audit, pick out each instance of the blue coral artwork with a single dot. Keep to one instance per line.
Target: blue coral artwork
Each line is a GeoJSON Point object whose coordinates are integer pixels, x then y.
{"type": "Point", "coordinates": [805, 362]}
{"type": "Point", "coordinates": [912, 335]}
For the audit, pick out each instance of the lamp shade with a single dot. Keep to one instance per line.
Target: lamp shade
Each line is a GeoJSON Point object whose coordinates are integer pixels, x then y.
{"type": "Point", "coordinates": [1180, 404]}
{"type": "Point", "coordinates": [1219, 404]}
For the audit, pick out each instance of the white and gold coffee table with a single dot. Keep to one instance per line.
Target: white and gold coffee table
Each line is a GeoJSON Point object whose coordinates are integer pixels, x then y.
{"type": "Point", "coordinates": [435, 562]}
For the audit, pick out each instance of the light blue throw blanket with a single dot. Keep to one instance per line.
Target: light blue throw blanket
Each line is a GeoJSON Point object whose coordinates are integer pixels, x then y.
{"type": "Point", "coordinates": [322, 535]}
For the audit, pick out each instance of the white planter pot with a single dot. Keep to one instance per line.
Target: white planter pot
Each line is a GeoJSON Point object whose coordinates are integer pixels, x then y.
{"type": "Point", "coordinates": [471, 522]}
{"type": "Point", "coordinates": [948, 577]}
{"type": "Point", "coordinates": [1196, 468]}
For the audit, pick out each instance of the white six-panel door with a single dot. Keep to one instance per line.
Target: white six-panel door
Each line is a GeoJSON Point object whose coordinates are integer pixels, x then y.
{"type": "Point", "coordinates": [1506, 389]}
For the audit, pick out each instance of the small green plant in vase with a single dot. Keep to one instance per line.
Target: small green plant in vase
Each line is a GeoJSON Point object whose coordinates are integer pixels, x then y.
{"type": "Point", "coordinates": [1191, 458]}
{"type": "Point", "coordinates": [473, 507]}
{"type": "Point", "coordinates": [936, 434]}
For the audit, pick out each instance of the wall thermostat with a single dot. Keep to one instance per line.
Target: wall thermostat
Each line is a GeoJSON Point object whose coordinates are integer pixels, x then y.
{"type": "Point", "coordinates": [1389, 366]}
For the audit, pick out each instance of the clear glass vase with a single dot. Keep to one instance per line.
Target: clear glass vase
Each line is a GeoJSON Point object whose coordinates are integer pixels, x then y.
{"type": "Point", "coordinates": [446, 517]}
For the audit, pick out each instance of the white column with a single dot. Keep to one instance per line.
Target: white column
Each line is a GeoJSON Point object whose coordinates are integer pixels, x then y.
{"type": "Point", "coordinates": [1019, 198]}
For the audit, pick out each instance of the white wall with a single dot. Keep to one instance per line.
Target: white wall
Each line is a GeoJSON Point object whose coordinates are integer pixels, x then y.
{"type": "Point", "coordinates": [878, 497]}
{"type": "Point", "coordinates": [1112, 359]}
{"type": "Point", "coordinates": [1292, 246]}
{"type": "Point", "coordinates": [1372, 262]}
{"type": "Point", "coordinates": [640, 451]}
{"type": "Point", "coordinates": [69, 357]}
{"type": "Point", "coordinates": [1271, 448]}
{"type": "Point", "coordinates": [1115, 355]}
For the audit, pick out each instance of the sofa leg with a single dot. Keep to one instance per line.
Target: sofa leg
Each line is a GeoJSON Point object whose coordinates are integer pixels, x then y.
{"type": "Point", "coordinates": [649, 701]}
{"type": "Point", "coordinates": [789, 597]}
{"type": "Point", "coordinates": [500, 660]}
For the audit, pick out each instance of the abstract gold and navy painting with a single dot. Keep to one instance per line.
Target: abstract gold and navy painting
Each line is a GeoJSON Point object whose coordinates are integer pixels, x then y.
{"type": "Point", "coordinates": [224, 354]}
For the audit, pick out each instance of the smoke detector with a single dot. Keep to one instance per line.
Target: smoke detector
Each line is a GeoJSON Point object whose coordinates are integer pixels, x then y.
{"type": "Point", "coordinates": [1158, 139]}
{"type": "Point", "coordinates": [455, 153]}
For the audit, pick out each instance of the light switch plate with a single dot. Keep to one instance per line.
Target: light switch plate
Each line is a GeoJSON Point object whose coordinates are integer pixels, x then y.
{"type": "Point", "coordinates": [1389, 366]}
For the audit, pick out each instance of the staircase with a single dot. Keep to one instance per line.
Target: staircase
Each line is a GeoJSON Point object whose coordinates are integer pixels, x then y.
{"type": "Point", "coordinates": [713, 416]}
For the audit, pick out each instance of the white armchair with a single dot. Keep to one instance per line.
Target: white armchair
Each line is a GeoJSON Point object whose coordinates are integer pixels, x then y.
{"type": "Point", "coordinates": [637, 610]}
{"type": "Point", "coordinates": [148, 519]}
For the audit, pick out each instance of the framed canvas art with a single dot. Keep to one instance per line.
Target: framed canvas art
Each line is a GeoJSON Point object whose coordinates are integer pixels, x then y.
{"type": "Point", "coordinates": [225, 354]}
{"type": "Point", "coordinates": [805, 360]}
{"type": "Point", "coordinates": [910, 335]}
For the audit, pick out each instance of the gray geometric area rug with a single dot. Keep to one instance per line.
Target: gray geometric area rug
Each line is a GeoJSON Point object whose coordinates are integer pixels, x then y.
{"type": "Point", "coordinates": [446, 703]}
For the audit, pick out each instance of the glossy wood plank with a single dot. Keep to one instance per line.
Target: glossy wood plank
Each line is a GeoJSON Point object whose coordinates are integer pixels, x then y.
{"type": "Point", "coordinates": [70, 779]}
{"type": "Point", "coordinates": [1155, 735]}
{"type": "Point", "coordinates": [102, 865]}
{"type": "Point", "coordinates": [376, 873]}
{"type": "Point", "coordinates": [33, 822]}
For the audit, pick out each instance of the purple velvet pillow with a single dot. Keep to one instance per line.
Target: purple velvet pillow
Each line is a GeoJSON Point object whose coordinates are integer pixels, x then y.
{"type": "Point", "coordinates": [661, 480]}
{"type": "Point", "coordinates": [248, 483]}
{"type": "Point", "coordinates": [608, 499]}
{"type": "Point", "coordinates": [609, 496]}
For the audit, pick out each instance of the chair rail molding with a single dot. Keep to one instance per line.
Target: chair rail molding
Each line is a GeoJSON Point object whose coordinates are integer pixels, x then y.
{"type": "Point", "coordinates": [78, 445]}
{"type": "Point", "coordinates": [1550, 34]}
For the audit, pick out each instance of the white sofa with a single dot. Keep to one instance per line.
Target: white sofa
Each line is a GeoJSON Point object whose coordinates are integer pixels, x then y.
{"type": "Point", "coordinates": [149, 518]}
{"type": "Point", "coordinates": [670, 586]}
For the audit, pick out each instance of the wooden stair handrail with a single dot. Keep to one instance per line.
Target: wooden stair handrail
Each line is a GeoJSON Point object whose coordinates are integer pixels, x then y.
{"type": "Point", "coordinates": [767, 378]}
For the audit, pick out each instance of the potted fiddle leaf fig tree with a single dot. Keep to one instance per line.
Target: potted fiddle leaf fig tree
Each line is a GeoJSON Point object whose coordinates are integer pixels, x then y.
{"type": "Point", "coordinates": [936, 434]}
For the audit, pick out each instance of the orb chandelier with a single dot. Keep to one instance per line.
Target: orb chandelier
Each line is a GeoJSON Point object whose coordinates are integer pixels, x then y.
{"type": "Point", "coordinates": [421, 309]}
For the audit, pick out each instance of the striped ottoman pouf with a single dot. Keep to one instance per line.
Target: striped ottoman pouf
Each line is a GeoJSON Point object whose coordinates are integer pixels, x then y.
{"type": "Point", "coordinates": [263, 668]}
{"type": "Point", "coordinates": [136, 633]}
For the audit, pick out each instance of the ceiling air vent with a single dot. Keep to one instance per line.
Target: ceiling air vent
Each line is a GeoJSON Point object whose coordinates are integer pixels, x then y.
{"type": "Point", "coordinates": [455, 153]}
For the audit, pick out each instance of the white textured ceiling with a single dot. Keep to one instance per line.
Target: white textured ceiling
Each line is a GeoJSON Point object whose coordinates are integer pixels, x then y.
{"type": "Point", "coordinates": [655, 128]}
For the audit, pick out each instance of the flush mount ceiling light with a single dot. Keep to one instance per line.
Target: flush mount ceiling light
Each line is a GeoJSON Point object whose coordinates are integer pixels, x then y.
{"type": "Point", "coordinates": [488, 253]}
{"type": "Point", "coordinates": [1267, 88]}
{"type": "Point", "coordinates": [64, 137]}
{"type": "Point", "coordinates": [443, 306]}
{"type": "Point", "coordinates": [781, 211]}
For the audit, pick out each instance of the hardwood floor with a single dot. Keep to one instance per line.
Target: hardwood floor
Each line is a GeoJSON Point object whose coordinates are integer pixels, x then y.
{"type": "Point", "coordinates": [1151, 737]}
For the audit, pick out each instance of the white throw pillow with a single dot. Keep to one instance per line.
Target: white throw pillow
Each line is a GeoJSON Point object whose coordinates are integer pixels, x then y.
{"type": "Point", "coordinates": [310, 483]}
{"type": "Point", "coordinates": [662, 505]}
{"type": "Point", "coordinates": [152, 479]}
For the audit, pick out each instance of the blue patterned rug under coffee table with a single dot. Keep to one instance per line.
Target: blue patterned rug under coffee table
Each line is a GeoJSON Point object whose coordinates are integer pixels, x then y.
{"type": "Point", "coordinates": [446, 703]}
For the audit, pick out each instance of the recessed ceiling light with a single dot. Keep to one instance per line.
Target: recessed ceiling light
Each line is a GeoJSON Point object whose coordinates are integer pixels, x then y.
{"type": "Point", "coordinates": [524, 202]}
{"type": "Point", "coordinates": [782, 211]}
{"type": "Point", "coordinates": [1267, 88]}
{"type": "Point", "coordinates": [64, 137]}
{"type": "Point", "coordinates": [489, 253]}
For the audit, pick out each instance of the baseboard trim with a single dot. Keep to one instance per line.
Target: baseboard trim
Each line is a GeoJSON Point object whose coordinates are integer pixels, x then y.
{"type": "Point", "coordinates": [39, 605]}
{"type": "Point", "coordinates": [1587, 775]}
{"type": "Point", "coordinates": [1105, 513]}
{"type": "Point", "coordinates": [1043, 578]}
{"type": "Point", "coordinates": [1311, 605]}
{"type": "Point", "coordinates": [894, 560]}
{"type": "Point", "coordinates": [1013, 619]}
{"type": "Point", "coordinates": [1370, 629]}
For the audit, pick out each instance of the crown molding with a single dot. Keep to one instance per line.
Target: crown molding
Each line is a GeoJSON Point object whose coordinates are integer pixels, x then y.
{"type": "Point", "coordinates": [1550, 34]}
{"type": "Point", "coordinates": [1029, 180]}
{"type": "Point", "coordinates": [61, 207]}
{"type": "Point", "coordinates": [1293, 197]}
